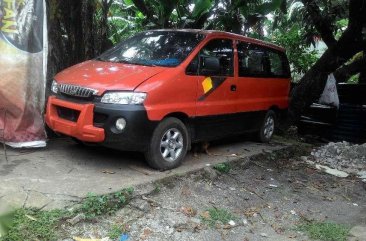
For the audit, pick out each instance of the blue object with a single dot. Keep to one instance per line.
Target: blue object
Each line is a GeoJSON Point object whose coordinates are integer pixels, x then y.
{"type": "Point", "coordinates": [124, 237]}
{"type": "Point", "coordinates": [161, 62]}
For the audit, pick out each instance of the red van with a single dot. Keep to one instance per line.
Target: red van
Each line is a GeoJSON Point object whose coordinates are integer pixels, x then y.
{"type": "Point", "coordinates": [159, 91]}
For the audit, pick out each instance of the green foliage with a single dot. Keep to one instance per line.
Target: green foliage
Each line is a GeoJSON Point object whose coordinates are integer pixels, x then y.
{"type": "Point", "coordinates": [95, 205]}
{"type": "Point", "coordinates": [354, 79]}
{"type": "Point", "coordinates": [157, 188]}
{"type": "Point", "coordinates": [126, 19]}
{"type": "Point", "coordinates": [116, 230]}
{"type": "Point", "coordinates": [268, 6]}
{"type": "Point", "coordinates": [200, 7]}
{"type": "Point", "coordinates": [30, 224]}
{"type": "Point", "coordinates": [129, 190]}
{"type": "Point", "coordinates": [214, 215]}
{"type": "Point", "coordinates": [222, 167]}
{"type": "Point", "coordinates": [300, 56]}
{"type": "Point", "coordinates": [325, 231]}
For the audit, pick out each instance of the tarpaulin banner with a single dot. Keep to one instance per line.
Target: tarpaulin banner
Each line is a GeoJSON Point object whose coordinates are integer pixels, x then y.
{"type": "Point", "coordinates": [23, 56]}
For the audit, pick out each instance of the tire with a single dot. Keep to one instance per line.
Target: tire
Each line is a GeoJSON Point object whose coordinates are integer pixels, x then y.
{"type": "Point", "coordinates": [83, 143]}
{"type": "Point", "coordinates": [268, 127]}
{"type": "Point", "coordinates": [168, 145]}
{"type": "Point", "coordinates": [77, 141]}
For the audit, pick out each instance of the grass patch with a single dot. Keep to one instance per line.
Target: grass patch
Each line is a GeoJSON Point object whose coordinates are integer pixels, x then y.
{"type": "Point", "coordinates": [325, 231]}
{"type": "Point", "coordinates": [30, 224]}
{"type": "Point", "coordinates": [214, 215]}
{"type": "Point", "coordinates": [222, 167]}
{"type": "Point", "coordinates": [157, 188]}
{"type": "Point", "coordinates": [33, 224]}
{"type": "Point", "coordinates": [94, 205]}
{"type": "Point", "coordinates": [116, 231]}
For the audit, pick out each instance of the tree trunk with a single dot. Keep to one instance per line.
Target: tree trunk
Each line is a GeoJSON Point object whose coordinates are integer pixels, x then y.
{"type": "Point", "coordinates": [313, 82]}
{"type": "Point", "coordinates": [87, 13]}
{"type": "Point", "coordinates": [73, 31]}
{"type": "Point", "coordinates": [362, 78]}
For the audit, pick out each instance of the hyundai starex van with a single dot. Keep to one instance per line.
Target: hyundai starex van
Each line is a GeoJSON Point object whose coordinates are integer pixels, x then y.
{"type": "Point", "coordinates": [159, 91]}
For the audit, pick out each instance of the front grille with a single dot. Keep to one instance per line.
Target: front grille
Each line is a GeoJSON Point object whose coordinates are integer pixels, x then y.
{"type": "Point", "coordinates": [77, 91]}
{"type": "Point", "coordinates": [68, 114]}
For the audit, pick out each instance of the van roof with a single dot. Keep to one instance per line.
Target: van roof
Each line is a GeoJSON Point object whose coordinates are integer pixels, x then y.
{"type": "Point", "coordinates": [226, 34]}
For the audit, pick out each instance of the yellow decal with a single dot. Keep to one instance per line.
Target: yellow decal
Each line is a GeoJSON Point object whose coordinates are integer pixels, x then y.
{"type": "Point", "coordinates": [8, 23]}
{"type": "Point", "coordinates": [207, 85]}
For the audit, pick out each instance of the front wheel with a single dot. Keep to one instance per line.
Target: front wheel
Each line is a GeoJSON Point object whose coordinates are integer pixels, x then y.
{"type": "Point", "coordinates": [268, 127]}
{"type": "Point", "coordinates": [168, 145]}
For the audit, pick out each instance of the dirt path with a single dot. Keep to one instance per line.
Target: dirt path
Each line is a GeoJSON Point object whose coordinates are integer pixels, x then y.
{"type": "Point", "coordinates": [263, 198]}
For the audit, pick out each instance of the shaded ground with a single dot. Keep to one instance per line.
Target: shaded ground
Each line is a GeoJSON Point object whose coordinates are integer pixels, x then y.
{"type": "Point", "coordinates": [265, 196]}
{"type": "Point", "coordinates": [63, 173]}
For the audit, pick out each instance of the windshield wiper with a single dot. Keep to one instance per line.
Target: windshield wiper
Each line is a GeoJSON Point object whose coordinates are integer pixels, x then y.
{"type": "Point", "coordinates": [100, 59]}
{"type": "Point", "coordinates": [136, 63]}
{"type": "Point", "coordinates": [122, 62]}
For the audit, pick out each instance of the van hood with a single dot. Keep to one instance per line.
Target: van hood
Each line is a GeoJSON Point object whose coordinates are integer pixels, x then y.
{"type": "Point", "coordinates": [104, 76]}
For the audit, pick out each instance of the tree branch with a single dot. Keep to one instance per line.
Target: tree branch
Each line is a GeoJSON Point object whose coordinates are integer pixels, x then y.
{"type": "Point", "coordinates": [345, 72]}
{"type": "Point", "coordinates": [141, 6]}
{"type": "Point", "coordinates": [321, 23]}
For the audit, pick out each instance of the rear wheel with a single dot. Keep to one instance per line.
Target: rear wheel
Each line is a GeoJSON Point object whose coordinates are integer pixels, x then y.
{"type": "Point", "coordinates": [268, 127]}
{"type": "Point", "coordinates": [168, 145]}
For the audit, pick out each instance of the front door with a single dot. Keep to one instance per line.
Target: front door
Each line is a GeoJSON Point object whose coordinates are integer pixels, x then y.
{"type": "Point", "coordinates": [216, 95]}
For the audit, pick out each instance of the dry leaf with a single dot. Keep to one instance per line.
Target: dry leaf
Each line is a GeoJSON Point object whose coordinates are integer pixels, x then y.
{"type": "Point", "coordinates": [30, 217]}
{"type": "Point", "coordinates": [206, 215]}
{"type": "Point", "coordinates": [188, 211]}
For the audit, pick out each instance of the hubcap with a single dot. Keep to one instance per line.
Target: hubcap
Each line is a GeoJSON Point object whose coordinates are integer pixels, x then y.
{"type": "Point", "coordinates": [171, 145]}
{"type": "Point", "coordinates": [269, 127]}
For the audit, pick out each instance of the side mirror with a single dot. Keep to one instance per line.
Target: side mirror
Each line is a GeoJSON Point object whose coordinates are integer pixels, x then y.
{"type": "Point", "coordinates": [210, 66]}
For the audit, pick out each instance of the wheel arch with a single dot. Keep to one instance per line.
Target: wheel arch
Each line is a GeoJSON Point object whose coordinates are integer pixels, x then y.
{"type": "Point", "coordinates": [185, 119]}
{"type": "Point", "coordinates": [277, 112]}
{"type": "Point", "coordinates": [179, 115]}
{"type": "Point", "coordinates": [275, 108]}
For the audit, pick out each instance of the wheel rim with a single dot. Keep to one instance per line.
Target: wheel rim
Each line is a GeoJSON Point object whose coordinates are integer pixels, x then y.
{"type": "Point", "coordinates": [269, 127]}
{"type": "Point", "coordinates": [171, 145]}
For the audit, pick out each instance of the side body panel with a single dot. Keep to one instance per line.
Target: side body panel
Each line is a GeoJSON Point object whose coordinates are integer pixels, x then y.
{"type": "Point", "coordinates": [257, 94]}
{"type": "Point", "coordinates": [216, 105]}
{"type": "Point", "coordinates": [170, 92]}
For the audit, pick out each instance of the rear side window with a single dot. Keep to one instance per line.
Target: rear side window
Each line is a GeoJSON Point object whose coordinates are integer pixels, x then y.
{"type": "Point", "coordinates": [253, 60]}
{"type": "Point", "coordinates": [279, 64]}
{"type": "Point", "coordinates": [220, 49]}
{"type": "Point", "coordinates": [258, 61]}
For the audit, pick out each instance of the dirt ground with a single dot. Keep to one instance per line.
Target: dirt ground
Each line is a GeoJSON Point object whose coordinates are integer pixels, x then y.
{"type": "Point", "coordinates": [265, 197]}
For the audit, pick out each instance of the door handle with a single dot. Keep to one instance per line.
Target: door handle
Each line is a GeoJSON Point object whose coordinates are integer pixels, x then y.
{"type": "Point", "coordinates": [233, 87]}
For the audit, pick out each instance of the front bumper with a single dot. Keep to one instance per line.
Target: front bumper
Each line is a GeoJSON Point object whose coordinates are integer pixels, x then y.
{"type": "Point", "coordinates": [82, 129]}
{"type": "Point", "coordinates": [95, 122]}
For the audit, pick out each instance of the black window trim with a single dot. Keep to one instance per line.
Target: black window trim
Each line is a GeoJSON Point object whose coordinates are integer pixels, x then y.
{"type": "Point", "coordinates": [199, 59]}
{"type": "Point", "coordinates": [266, 49]}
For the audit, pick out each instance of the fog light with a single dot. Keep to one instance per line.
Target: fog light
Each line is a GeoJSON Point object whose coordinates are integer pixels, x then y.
{"type": "Point", "coordinates": [120, 124]}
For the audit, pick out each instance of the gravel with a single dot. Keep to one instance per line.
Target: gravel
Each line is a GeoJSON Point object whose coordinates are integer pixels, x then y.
{"type": "Point", "coordinates": [344, 156]}
{"type": "Point", "coordinates": [260, 212]}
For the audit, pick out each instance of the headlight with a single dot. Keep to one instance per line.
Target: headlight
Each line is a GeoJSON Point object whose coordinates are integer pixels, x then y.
{"type": "Point", "coordinates": [54, 87]}
{"type": "Point", "coordinates": [124, 98]}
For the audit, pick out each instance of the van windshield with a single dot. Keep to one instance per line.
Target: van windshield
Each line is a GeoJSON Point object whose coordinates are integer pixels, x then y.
{"type": "Point", "coordinates": [154, 48]}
